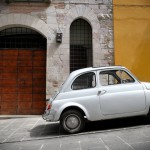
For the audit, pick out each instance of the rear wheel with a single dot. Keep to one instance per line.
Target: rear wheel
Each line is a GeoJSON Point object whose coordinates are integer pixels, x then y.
{"type": "Point", "coordinates": [72, 121]}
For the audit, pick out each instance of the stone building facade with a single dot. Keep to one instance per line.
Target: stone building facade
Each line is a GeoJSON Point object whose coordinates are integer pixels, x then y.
{"type": "Point", "coordinates": [57, 16]}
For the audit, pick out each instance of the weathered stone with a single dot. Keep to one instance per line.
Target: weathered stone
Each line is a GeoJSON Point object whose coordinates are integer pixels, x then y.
{"type": "Point", "coordinates": [99, 1]}
{"type": "Point", "coordinates": [110, 44]}
{"type": "Point", "coordinates": [79, 1]}
{"type": "Point", "coordinates": [59, 15]}
{"type": "Point", "coordinates": [60, 5]}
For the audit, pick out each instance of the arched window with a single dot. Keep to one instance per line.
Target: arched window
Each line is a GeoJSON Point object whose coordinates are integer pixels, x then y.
{"type": "Point", "coordinates": [80, 45]}
{"type": "Point", "coordinates": [20, 37]}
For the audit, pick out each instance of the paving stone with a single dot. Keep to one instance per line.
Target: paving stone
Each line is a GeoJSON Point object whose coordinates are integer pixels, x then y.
{"type": "Point", "coordinates": [51, 146]}
{"type": "Point", "coordinates": [142, 146]}
{"type": "Point", "coordinates": [9, 147]}
{"type": "Point", "coordinates": [92, 144]}
{"type": "Point", "coordinates": [37, 136]}
{"type": "Point", "coordinates": [131, 138]}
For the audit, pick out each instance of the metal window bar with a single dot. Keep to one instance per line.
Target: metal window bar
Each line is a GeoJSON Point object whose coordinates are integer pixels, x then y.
{"type": "Point", "coordinates": [19, 37]}
{"type": "Point", "coordinates": [80, 45]}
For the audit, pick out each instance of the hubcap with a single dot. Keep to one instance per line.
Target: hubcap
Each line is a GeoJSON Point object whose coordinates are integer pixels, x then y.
{"type": "Point", "coordinates": [72, 122]}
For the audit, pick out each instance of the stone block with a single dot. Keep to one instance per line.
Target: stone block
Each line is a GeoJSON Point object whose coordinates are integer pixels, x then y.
{"type": "Point", "coordinates": [50, 10]}
{"type": "Point", "coordinates": [60, 5]}
{"type": "Point", "coordinates": [111, 44]}
{"type": "Point", "coordinates": [52, 19]}
{"type": "Point", "coordinates": [39, 25]}
{"type": "Point", "coordinates": [103, 7]}
{"type": "Point", "coordinates": [80, 9]}
{"type": "Point", "coordinates": [107, 2]}
{"type": "Point", "coordinates": [86, 12]}
{"type": "Point", "coordinates": [80, 1]}
{"type": "Point", "coordinates": [99, 1]}
{"type": "Point", "coordinates": [73, 12]}
{"type": "Point", "coordinates": [65, 40]}
{"type": "Point", "coordinates": [10, 19]}
{"type": "Point", "coordinates": [3, 20]}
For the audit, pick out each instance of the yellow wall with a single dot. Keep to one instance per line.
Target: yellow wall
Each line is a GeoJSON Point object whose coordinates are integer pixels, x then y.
{"type": "Point", "coordinates": [132, 36]}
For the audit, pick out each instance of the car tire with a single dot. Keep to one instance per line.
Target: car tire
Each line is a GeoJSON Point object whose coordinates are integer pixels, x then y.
{"type": "Point", "coordinates": [72, 121]}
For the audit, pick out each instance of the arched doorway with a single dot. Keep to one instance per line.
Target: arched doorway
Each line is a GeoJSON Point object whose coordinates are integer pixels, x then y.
{"type": "Point", "coordinates": [80, 45]}
{"type": "Point", "coordinates": [22, 71]}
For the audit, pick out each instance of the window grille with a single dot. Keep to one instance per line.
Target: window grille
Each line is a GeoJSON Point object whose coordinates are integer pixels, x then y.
{"type": "Point", "coordinates": [80, 45]}
{"type": "Point", "coordinates": [19, 37]}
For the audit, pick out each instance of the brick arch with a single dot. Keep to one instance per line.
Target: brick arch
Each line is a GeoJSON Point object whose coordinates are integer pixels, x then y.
{"type": "Point", "coordinates": [86, 13]}
{"type": "Point", "coordinates": [24, 20]}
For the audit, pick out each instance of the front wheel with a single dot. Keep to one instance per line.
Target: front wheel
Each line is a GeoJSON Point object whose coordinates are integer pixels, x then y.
{"type": "Point", "coordinates": [72, 121]}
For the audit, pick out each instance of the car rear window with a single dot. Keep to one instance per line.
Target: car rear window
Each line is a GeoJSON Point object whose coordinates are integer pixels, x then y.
{"type": "Point", "coordinates": [84, 81]}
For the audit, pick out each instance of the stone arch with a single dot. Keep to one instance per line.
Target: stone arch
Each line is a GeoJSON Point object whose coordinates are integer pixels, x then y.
{"type": "Point", "coordinates": [86, 13]}
{"type": "Point", "coordinates": [24, 20]}
{"type": "Point", "coordinates": [28, 21]}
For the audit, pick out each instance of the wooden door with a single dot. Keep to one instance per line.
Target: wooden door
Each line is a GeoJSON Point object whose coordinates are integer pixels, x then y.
{"type": "Point", "coordinates": [22, 81]}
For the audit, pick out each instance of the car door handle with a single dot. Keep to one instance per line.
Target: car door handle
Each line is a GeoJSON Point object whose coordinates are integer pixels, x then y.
{"type": "Point", "coordinates": [101, 92]}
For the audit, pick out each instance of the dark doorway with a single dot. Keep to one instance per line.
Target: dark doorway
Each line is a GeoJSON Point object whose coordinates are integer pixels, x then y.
{"type": "Point", "coordinates": [22, 71]}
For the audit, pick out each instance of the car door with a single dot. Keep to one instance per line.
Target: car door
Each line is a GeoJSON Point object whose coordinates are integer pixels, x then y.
{"type": "Point", "coordinates": [83, 93]}
{"type": "Point", "coordinates": [120, 93]}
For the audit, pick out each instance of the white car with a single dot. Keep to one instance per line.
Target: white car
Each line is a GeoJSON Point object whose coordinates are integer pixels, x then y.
{"type": "Point", "coordinates": [97, 94]}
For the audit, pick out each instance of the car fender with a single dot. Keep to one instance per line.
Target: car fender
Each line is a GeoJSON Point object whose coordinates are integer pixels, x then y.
{"type": "Point", "coordinates": [71, 104]}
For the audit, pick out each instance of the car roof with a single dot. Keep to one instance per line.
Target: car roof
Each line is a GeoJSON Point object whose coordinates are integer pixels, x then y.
{"type": "Point", "coordinates": [74, 73]}
{"type": "Point", "coordinates": [84, 70]}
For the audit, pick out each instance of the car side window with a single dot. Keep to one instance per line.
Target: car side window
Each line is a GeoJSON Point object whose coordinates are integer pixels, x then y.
{"type": "Point", "coordinates": [124, 76]}
{"type": "Point", "coordinates": [84, 81]}
{"type": "Point", "coordinates": [113, 77]}
{"type": "Point", "coordinates": [108, 78]}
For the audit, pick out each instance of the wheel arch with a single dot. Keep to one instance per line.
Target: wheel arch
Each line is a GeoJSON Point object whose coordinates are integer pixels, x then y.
{"type": "Point", "coordinates": [81, 109]}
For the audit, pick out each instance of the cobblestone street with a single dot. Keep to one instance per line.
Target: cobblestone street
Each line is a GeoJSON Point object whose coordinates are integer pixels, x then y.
{"type": "Point", "coordinates": [33, 133]}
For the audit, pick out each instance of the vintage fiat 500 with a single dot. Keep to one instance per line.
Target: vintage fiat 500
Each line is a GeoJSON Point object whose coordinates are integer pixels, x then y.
{"type": "Point", "coordinates": [98, 94]}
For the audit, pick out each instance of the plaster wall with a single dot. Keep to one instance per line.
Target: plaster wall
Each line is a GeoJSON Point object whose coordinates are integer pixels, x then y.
{"type": "Point", "coordinates": [132, 36]}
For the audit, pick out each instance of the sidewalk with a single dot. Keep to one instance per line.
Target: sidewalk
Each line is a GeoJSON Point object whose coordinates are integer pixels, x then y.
{"type": "Point", "coordinates": [34, 133]}
{"type": "Point", "coordinates": [25, 127]}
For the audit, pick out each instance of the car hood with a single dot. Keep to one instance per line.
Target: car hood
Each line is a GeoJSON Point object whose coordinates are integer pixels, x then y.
{"type": "Point", "coordinates": [147, 85]}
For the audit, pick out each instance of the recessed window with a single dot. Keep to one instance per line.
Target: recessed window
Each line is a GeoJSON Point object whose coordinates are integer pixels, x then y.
{"type": "Point", "coordinates": [80, 45]}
